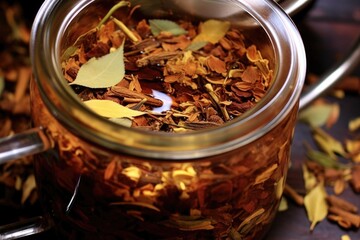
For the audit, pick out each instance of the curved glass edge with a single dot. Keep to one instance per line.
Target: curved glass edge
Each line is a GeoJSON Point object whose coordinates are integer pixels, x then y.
{"type": "Point", "coordinates": [69, 110]}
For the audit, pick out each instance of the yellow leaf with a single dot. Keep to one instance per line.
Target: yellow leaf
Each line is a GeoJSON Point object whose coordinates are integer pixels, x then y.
{"type": "Point", "coordinates": [316, 205]}
{"type": "Point", "coordinates": [309, 179]}
{"type": "Point", "coordinates": [28, 187]}
{"type": "Point", "coordinates": [102, 72]}
{"type": "Point", "coordinates": [212, 31]}
{"type": "Point", "coordinates": [328, 143]}
{"type": "Point", "coordinates": [354, 124]}
{"type": "Point", "coordinates": [111, 109]}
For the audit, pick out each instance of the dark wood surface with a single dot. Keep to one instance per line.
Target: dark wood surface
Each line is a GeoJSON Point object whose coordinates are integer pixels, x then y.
{"type": "Point", "coordinates": [328, 28]}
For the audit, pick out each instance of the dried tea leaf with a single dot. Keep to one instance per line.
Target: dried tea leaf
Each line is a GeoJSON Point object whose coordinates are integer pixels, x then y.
{"type": "Point", "coordinates": [136, 204]}
{"type": "Point", "coordinates": [354, 124]}
{"type": "Point", "coordinates": [345, 237]}
{"type": "Point", "coordinates": [111, 109]}
{"type": "Point", "coordinates": [266, 174]}
{"type": "Point", "coordinates": [283, 205]}
{"type": "Point", "coordinates": [327, 143]}
{"type": "Point", "coordinates": [2, 84]}
{"type": "Point", "coordinates": [194, 46]}
{"type": "Point", "coordinates": [353, 148]}
{"type": "Point", "coordinates": [122, 121]}
{"type": "Point", "coordinates": [309, 179]}
{"type": "Point", "coordinates": [191, 225]}
{"type": "Point", "coordinates": [28, 187]}
{"type": "Point", "coordinates": [212, 31]}
{"type": "Point", "coordinates": [102, 72]}
{"type": "Point", "coordinates": [316, 205]}
{"type": "Point", "coordinates": [158, 26]}
{"type": "Point", "coordinates": [316, 115]}
{"type": "Point", "coordinates": [72, 49]}
{"type": "Point", "coordinates": [324, 159]}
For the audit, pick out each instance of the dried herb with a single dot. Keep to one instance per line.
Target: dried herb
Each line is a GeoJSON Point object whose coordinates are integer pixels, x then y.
{"type": "Point", "coordinates": [161, 26]}
{"type": "Point", "coordinates": [28, 187]}
{"type": "Point", "coordinates": [327, 143]}
{"type": "Point", "coordinates": [316, 205]}
{"type": "Point", "coordinates": [318, 115]}
{"type": "Point", "coordinates": [212, 31]}
{"type": "Point", "coordinates": [309, 179]}
{"type": "Point", "coordinates": [102, 72]}
{"type": "Point", "coordinates": [110, 109]}
{"type": "Point", "coordinates": [198, 89]}
{"type": "Point", "coordinates": [2, 85]}
{"type": "Point", "coordinates": [354, 124]}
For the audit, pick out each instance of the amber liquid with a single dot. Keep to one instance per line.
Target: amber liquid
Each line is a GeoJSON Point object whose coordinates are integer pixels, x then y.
{"type": "Point", "coordinates": [241, 201]}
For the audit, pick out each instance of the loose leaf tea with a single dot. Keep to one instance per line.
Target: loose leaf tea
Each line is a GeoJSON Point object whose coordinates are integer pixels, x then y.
{"type": "Point", "coordinates": [188, 86]}
{"type": "Point", "coordinates": [179, 76]}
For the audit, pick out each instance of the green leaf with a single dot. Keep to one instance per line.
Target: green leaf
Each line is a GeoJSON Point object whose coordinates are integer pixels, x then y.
{"type": "Point", "coordinates": [194, 46]}
{"type": "Point", "coordinates": [212, 31]}
{"type": "Point", "coordinates": [2, 85]}
{"type": "Point", "coordinates": [112, 10]}
{"type": "Point", "coordinates": [159, 25]}
{"type": "Point", "coordinates": [316, 205]}
{"type": "Point", "coordinates": [316, 115]}
{"type": "Point", "coordinates": [102, 72]}
{"type": "Point", "coordinates": [111, 109]}
{"type": "Point", "coordinates": [324, 159]}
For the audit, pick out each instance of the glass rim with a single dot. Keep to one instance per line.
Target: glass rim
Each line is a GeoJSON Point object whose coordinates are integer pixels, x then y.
{"type": "Point", "coordinates": [69, 111]}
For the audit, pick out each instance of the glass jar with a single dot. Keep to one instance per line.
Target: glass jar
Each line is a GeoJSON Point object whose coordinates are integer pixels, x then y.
{"type": "Point", "coordinates": [105, 181]}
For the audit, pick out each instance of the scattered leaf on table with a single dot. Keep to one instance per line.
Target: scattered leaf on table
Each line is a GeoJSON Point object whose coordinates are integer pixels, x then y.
{"type": "Point", "coordinates": [354, 124]}
{"type": "Point", "coordinates": [309, 179]}
{"type": "Point", "coordinates": [316, 205]}
{"type": "Point", "coordinates": [158, 26]}
{"type": "Point", "coordinates": [327, 143]}
{"type": "Point", "coordinates": [345, 237]}
{"type": "Point", "coordinates": [111, 109]}
{"type": "Point", "coordinates": [283, 205]}
{"type": "Point", "coordinates": [2, 84]}
{"type": "Point", "coordinates": [324, 159]}
{"type": "Point", "coordinates": [28, 187]}
{"type": "Point", "coordinates": [212, 31]}
{"type": "Point", "coordinates": [316, 115]}
{"type": "Point", "coordinates": [353, 148]}
{"type": "Point", "coordinates": [102, 72]}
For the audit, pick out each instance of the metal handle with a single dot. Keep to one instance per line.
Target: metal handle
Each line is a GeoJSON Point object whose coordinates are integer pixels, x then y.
{"type": "Point", "coordinates": [335, 74]}
{"type": "Point", "coordinates": [24, 228]}
{"type": "Point", "coordinates": [24, 144]}
{"type": "Point", "coordinates": [292, 7]}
